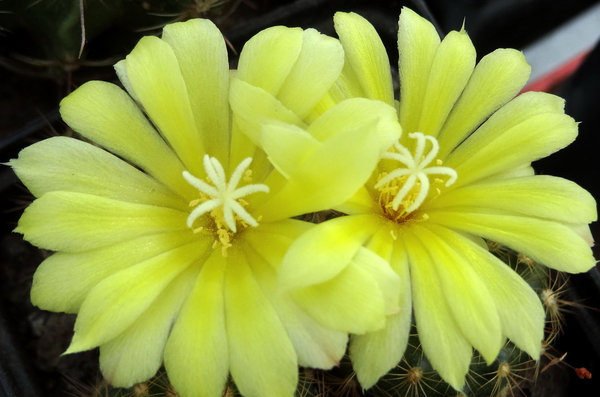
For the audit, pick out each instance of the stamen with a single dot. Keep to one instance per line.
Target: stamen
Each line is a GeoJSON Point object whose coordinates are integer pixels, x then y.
{"type": "Point", "coordinates": [224, 195]}
{"type": "Point", "coordinates": [416, 171]}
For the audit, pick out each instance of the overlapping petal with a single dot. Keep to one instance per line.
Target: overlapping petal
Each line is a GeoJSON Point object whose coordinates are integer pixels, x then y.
{"type": "Point", "coordinates": [137, 353]}
{"type": "Point", "coordinates": [497, 78]}
{"type": "Point", "coordinates": [206, 77]}
{"type": "Point", "coordinates": [105, 114]}
{"type": "Point", "coordinates": [48, 166]}
{"type": "Point", "coordinates": [75, 222]}
{"type": "Point", "coordinates": [375, 353]}
{"type": "Point", "coordinates": [262, 358]}
{"type": "Point", "coordinates": [366, 56]}
{"type": "Point", "coordinates": [445, 345]}
{"type": "Point", "coordinates": [116, 302]}
{"type": "Point", "coordinates": [197, 354]}
{"type": "Point", "coordinates": [86, 269]}
{"type": "Point", "coordinates": [551, 243]}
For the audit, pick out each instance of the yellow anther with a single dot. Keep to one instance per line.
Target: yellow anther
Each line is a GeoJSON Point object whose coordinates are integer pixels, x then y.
{"type": "Point", "coordinates": [248, 176]}
{"type": "Point", "coordinates": [198, 229]}
{"type": "Point", "coordinates": [439, 162]}
{"type": "Point", "coordinates": [194, 203]}
{"type": "Point", "coordinates": [393, 235]}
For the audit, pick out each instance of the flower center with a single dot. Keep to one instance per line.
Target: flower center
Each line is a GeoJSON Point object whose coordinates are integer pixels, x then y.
{"type": "Point", "coordinates": [223, 201]}
{"type": "Point", "coordinates": [405, 189]}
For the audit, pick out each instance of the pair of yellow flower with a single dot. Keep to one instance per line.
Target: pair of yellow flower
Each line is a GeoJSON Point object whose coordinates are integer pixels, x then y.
{"type": "Point", "coordinates": [175, 240]}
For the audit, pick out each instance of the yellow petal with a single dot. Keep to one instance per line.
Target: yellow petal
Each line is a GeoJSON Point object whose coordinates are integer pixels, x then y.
{"type": "Point", "coordinates": [360, 203]}
{"type": "Point", "coordinates": [519, 307]}
{"type": "Point", "coordinates": [200, 50]}
{"type": "Point", "coordinates": [154, 73]}
{"type": "Point", "coordinates": [318, 65]}
{"type": "Point", "coordinates": [335, 243]}
{"type": "Point", "coordinates": [443, 343]}
{"type": "Point", "coordinates": [105, 114]}
{"type": "Point", "coordinates": [196, 354]}
{"type": "Point", "coordinates": [136, 354]}
{"type": "Point", "coordinates": [250, 104]}
{"type": "Point", "coordinates": [451, 68]}
{"type": "Point", "coordinates": [269, 56]}
{"type": "Point", "coordinates": [74, 222]}
{"type": "Point", "coordinates": [417, 44]}
{"type": "Point", "coordinates": [261, 356]}
{"type": "Point", "coordinates": [356, 111]}
{"type": "Point", "coordinates": [471, 304]}
{"type": "Point", "coordinates": [366, 55]}
{"type": "Point", "coordinates": [350, 302]}
{"type": "Point", "coordinates": [116, 302]}
{"type": "Point", "coordinates": [497, 78]}
{"type": "Point", "coordinates": [67, 164]}
{"type": "Point", "coordinates": [330, 176]}
{"type": "Point", "coordinates": [551, 243]}
{"type": "Point", "coordinates": [540, 196]}
{"type": "Point", "coordinates": [316, 345]}
{"type": "Point", "coordinates": [84, 270]}
{"type": "Point", "coordinates": [387, 281]}
{"type": "Point", "coordinates": [287, 146]}
{"type": "Point", "coordinates": [272, 239]}
{"type": "Point", "coordinates": [375, 353]}
{"type": "Point", "coordinates": [530, 127]}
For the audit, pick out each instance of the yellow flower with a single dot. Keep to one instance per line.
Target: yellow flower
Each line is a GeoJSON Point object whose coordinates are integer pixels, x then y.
{"type": "Point", "coordinates": [461, 173]}
{"type": "Point", "coordinates": [169, 238]}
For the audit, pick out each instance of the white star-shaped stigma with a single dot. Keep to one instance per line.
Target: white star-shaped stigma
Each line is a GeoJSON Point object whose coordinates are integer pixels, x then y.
{"type": "Point", "coordinates": [416, 169]}
{"type": "Point", "coordinates": [223, 193]}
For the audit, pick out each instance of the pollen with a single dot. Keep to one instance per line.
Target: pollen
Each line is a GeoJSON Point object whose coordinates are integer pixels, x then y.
{"type": "Point", "coordinates": [223, 201]}
{"type": "Point", "coordinates": [409, 184]}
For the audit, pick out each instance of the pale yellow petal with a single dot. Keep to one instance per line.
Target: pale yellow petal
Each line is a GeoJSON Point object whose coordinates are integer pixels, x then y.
{"type": "Point", "coordinates": [84, 270]}
{"type": "Point", "coordinates": [519, 307]}
{"type": "Point", "coordinates": [316, 345]}
{"type": "Point", "coordinates": [250, 104]}
{"type": "Point", "coordinates": [375, 353]}
{"type": "Point", "coordinates": [317, 67]}
{"type": "Point", "coordinates": [540, 196]}
{"type": "Point", "coordinates": [136, 354]}
{"type": "Point", "coordinates": [417, 44]}
{"type": "Point", "coordinates": [360, 203]}
{"type": "Point", "coordinates": [466, 294]}
{"type": "Point", "coordinates": [366, 55]}
{"type": "Point", "coordinates": [105, 114]}
{"type": "Point", "coordinates": [74, 222]}
{"type": "Point", "coordinates": [451, 69]}
{"type": "Point", "coordinates": [336, 242]}
{"type": "Point", "coordinates": [268, 57]}
{"type": "Point", "coordinates": [497, 78]}
{"type": "Point", "coordinates": [330, 176]}
{"type": "Point", "coordinates": [287, 146]}
{"type": "Point", "coordinates": [202, 56]}
{"type": "Point", "coordinates": [117, 301]}
{"type": "Point", "coordinates": [443, 343]}
{"type": "Point", "coordinates": [550, 243]}
{"type": "Point", "coordinates": [350, 302]}
{"type": "Point", "coordinates": [358, 111]}
{"type": "Point", "coordinates": [387, 280]}
{"type": "Point", "coordinates": [66, 164]}
{"type": "Point", "coordinates": [530, 127]}
{"type": "Point", "coordinates": [154, 73]}
{"type": "Point", "coordinates": [261, 355]}
{"type": "Point", "coordinates": [197, 353]}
